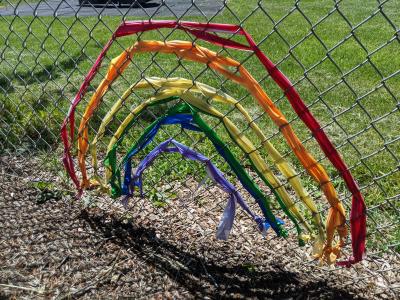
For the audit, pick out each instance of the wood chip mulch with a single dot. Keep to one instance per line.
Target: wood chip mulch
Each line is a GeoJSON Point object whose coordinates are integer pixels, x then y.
{"type": "Point", "coordinates": [51, 247]}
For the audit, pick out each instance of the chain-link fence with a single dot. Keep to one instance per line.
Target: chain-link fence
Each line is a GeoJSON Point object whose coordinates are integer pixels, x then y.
{"type": "Point", "coordinates": [341, 56]}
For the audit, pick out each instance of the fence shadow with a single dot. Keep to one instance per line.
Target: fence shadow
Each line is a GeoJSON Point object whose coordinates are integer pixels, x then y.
{"type": "Point", "coordinates": [43, 73]}
{"type": "Point", "coordinates": [208, 278]}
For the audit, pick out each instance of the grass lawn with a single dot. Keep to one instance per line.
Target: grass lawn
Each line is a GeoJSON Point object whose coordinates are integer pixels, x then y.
{"type": "Point", "coordinates": [353, 91]}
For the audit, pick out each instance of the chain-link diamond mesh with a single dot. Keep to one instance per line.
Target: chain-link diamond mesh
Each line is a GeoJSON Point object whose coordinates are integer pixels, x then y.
{"type": "Point", "coordinates": [342, 56]}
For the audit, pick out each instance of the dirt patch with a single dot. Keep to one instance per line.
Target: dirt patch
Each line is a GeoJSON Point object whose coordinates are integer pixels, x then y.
{"type": "Point", "coordinates": [53, 247]}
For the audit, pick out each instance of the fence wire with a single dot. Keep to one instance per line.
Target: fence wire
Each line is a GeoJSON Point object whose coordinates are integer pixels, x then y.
{"type": "Point", "coordinates": [343, 58]}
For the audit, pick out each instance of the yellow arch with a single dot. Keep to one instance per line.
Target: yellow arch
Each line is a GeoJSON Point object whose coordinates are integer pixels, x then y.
{"type": "Point", "coordinates": [187, 89]}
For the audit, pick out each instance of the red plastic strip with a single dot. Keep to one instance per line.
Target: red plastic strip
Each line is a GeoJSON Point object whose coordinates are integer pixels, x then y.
{"type": "Point", "coordinates": [358, 208]}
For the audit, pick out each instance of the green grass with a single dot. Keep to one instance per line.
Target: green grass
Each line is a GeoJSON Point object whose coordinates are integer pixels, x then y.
{"type": "Point", "coordinates": [44, 61]}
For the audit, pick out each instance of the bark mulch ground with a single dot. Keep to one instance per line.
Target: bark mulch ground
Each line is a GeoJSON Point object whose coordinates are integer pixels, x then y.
{"type": "Point", "coordinates": [53, 247]}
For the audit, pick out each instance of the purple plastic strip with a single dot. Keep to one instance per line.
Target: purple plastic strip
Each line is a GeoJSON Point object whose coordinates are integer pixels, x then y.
{"type": "Point", "coordinates": [226, 222]}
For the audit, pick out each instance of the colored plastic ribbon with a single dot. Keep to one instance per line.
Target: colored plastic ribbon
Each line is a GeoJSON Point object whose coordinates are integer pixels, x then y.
{"type": "Point", "coordinates": [188, 118]}
{"type": "Point", "coordinates": [228, 216]}
{"type": "Point", "coordinates": [187, 90]}
{"type": "Point", "coordinates": [186, 50]}
{"type": "Point", "coordinates": [203, 31]}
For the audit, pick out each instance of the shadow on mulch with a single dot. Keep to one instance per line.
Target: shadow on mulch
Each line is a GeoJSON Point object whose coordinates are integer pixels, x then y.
{"type": "Point", "coordinates": [210, 278]}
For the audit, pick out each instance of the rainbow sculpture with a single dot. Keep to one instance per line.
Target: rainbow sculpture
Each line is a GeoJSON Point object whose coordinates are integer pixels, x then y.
{"type": "Point", "coordinates": [197, 100]}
